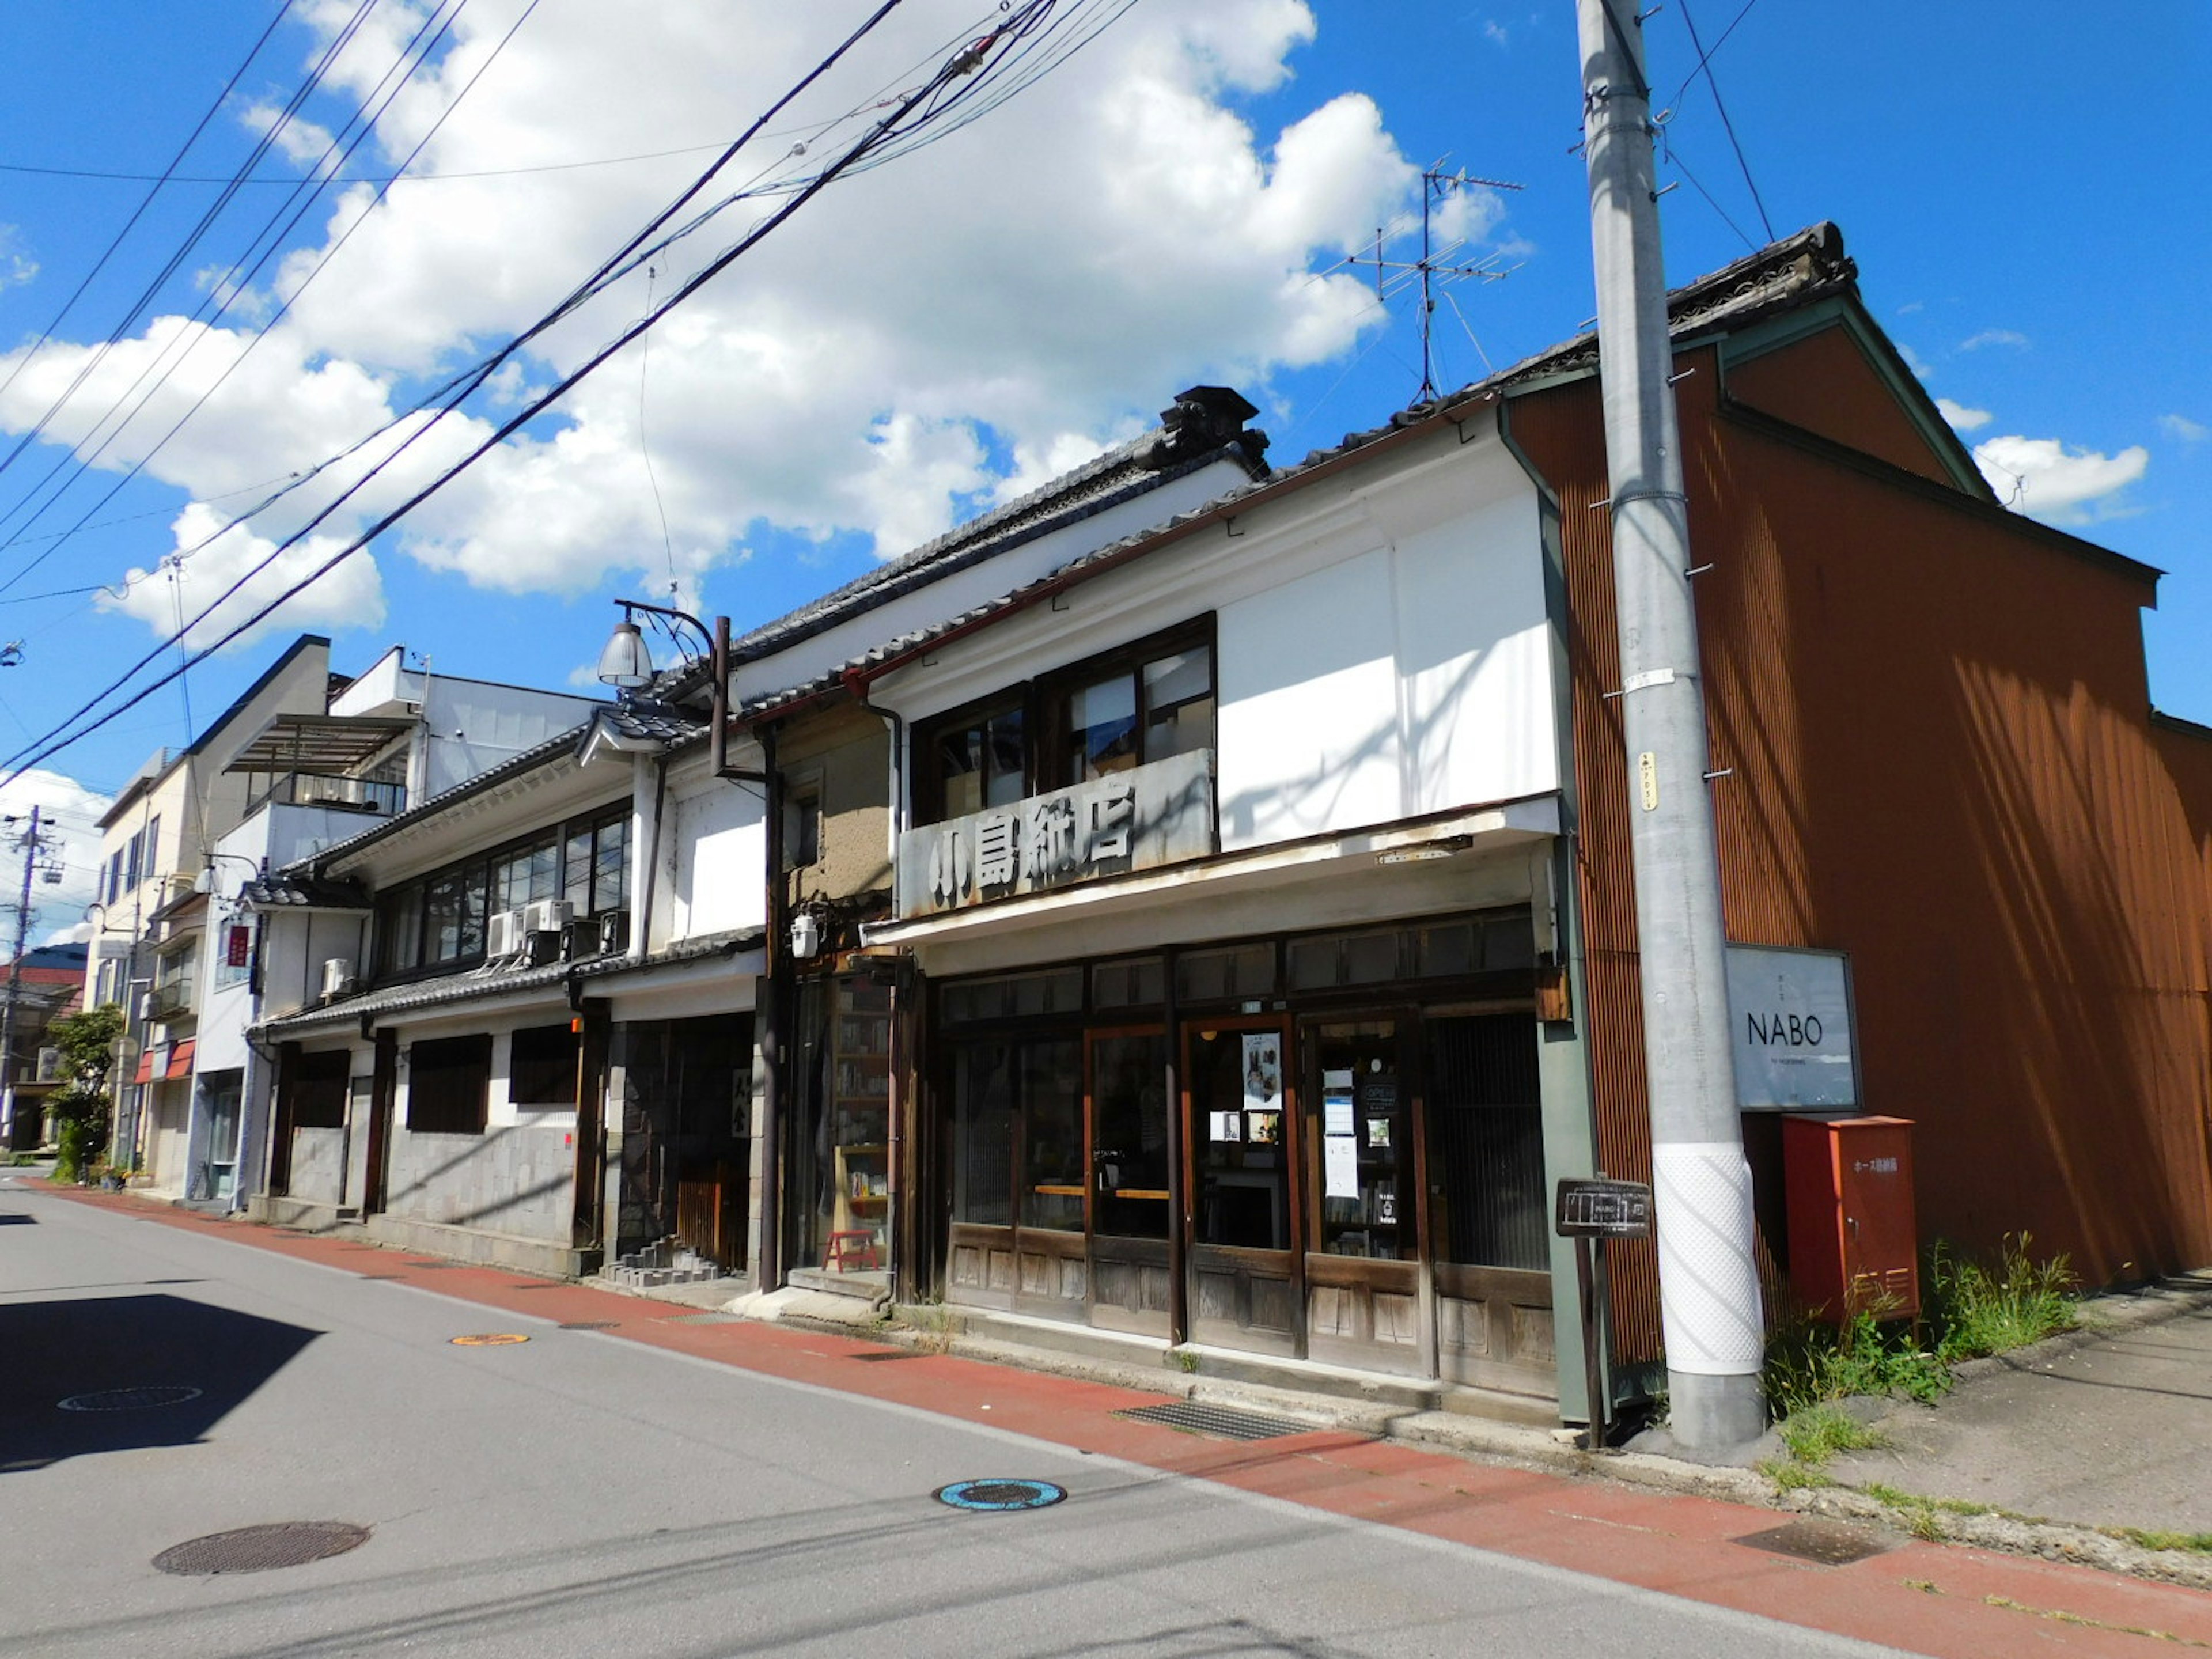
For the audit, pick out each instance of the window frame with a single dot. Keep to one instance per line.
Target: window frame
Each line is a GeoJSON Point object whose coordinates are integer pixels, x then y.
{"type": "Point", "coordinates": [542, 1081]}
{"type": "Point", "coordinates": [475, 878]}
{"type": "Point", "coordinates": [1047, 748]}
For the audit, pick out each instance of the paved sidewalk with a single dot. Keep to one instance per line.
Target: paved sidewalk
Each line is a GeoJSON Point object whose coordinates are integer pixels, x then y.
{"type": "Point", "coordinates": [1935, 1599]}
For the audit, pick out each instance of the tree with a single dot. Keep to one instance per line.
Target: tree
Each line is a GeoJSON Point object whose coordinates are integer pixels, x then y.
{"type": "Point", "coordinates": [87, 1042]}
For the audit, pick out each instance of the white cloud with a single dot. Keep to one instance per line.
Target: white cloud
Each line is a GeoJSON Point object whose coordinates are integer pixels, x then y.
{"type": "Point", "coordinates": [68, 812]}
{"type": "Point", "coordinates": [1494, 31]}
{"type": "Point", "coordinates": [1961, 417]}
{"type": "Point", "coordinates": [350, 595]}
{"type": "Point", "coordinates": [1912, 361]}
{"type": "Point", "coordinates": [1045, 276]}
{"type": "Point", "coordinates": [1994, 336]}
{"type": "Point", "coordinates": [2045, 479]}
{"type": "Point", "coordinates": [297, 139]}
{"type": "Point", "coordinates": [17, 267]}
{"type": "Point", "coordinates": [2182, 429]}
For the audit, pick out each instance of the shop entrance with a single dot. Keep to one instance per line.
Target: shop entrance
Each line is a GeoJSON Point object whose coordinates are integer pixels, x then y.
{"type": "Point", "coordinates": [1242, 1138]}
{"type": "Point", "coordinates": [1129, 1179]}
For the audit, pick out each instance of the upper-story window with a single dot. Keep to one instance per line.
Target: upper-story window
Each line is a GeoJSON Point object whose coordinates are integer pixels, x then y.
{"type": "Point", "coordinates": [1130, 707]}
{"type": "Point", "coordinates": [439, 921]}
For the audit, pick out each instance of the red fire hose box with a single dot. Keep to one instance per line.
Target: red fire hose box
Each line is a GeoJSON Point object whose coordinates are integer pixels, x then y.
{"type": "Point", "coordinates": [1853, 1242]}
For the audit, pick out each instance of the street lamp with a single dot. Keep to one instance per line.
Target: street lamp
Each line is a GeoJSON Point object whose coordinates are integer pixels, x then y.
{"type": "Point", "coordinates": [627, 664]}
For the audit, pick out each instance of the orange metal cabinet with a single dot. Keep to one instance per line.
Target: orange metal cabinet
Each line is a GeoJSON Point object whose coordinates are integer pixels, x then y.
{"type": "Point", "coordinates": [1853, 1242]}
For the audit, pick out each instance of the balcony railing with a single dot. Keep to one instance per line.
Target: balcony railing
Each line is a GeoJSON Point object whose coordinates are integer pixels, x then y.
{"type": "Point", "coordinates": [169, 1001]}
{"type": "Point", "coordinates": [364, 795]}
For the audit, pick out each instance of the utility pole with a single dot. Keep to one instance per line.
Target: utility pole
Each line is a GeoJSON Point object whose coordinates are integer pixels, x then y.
{"type": "Point", "coordinates": [1708, 1276]}
{"type": "Point", "coordinates": [31, 848]}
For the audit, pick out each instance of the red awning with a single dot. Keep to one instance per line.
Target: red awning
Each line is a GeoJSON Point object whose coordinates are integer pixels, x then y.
{"type": "Point", "coordinates": [179, 1062]}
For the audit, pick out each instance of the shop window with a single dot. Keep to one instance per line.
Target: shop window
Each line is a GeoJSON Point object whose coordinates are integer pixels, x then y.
{"type": "Point", "coordinates": [1134, 984]}
{"type": "Point", "coordinates": [542, 1066]}
{"type": "Point", "coordinates": [318, 1086]}
{"type": "Point", "coordinates": [1018, 1107]}
{"type": "Point", "coordinates": [1243, 972]}
{"type": "Point", "coordinates": [1016, 996]}
{"type": "Point", "coordinates": [448, 1085]}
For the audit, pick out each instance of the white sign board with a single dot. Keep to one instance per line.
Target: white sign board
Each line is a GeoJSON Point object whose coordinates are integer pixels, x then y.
{"type": "Point", "coordinates": [1790, 1013]}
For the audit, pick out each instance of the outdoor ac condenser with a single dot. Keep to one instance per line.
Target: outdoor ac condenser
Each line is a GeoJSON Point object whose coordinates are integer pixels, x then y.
{"type": "Point", "coordinates": [337, 977]}
{"type": "Point", "coordinates": [503, 937]}
{"type": "Point", "coordinates": [547, 915]}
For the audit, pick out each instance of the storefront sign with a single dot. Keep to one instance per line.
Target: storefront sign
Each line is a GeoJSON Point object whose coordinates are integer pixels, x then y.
{"type": "Point", "coordinates": [1599, 1209]}
{"type": "Point", "coordinates": [1135, 820]}
{"type": "Point", "coordinates": [1790, 1013]}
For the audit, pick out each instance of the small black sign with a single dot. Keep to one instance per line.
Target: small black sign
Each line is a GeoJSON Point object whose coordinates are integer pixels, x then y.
{"type": "Point", "coordinates": [1604, 1209]}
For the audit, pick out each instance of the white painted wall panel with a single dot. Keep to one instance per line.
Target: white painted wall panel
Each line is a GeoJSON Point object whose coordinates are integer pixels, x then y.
{"type": "Point", "coordinates": [1308, 727]}
{"type": "Point", "coordinates": [719, 880]}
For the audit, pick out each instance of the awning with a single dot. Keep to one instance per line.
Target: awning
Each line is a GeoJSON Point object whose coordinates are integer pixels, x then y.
{"type": "Point", "coordinates": [318, 745]}
{"type": "Point", "coordinates": [178, 1064]}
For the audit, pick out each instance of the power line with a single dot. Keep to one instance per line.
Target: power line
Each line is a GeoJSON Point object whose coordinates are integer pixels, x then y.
{"type": "Point", "coordinates": [1705, 56]}
{"type": "Point", "coordinates": [291, 299]}
{"type": "Point", "coordinates": [1705, 62]}
{"type": "Point", "coordinates": [950, 79]}
{"type": "Point", "coordinates": [159, 180]}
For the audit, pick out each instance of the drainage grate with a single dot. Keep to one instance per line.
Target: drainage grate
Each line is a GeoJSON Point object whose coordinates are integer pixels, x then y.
{"type": "Point", "coordinates": [1830, 1543]}
{"type": "Point", "coordinates": [380, 1278]}
{"type": "Point", "coordinates": [1222, 1422]}
{"type": "Point", "coordinates": [590, 1325]}
{"type": "Point", "coordinates": [889, 1353]}
{"type": "Point", "coordinates": [258, 1549]}
{"type": "Point", "coordinates": [432, 1267]}
{"type": "Point", "coordinates": [1000, 1494]}
{"type": "Point", "coordinates": [132, 1400]}
{"type": "Point", "coordinates": [704, 1319]}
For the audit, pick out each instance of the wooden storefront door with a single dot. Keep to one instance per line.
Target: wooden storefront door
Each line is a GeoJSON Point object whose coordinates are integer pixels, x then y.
{"type": "Point", "coordinates": [1241, 1138]}
{"type": "Point", "coordinates": [1360, 1165]}
{"type": "Point", "coordinates": [1126, 1074]}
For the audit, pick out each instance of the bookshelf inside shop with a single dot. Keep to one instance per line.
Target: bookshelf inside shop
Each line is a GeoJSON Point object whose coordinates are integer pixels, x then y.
{"type": "Point", "coordinates": [860, 1073]}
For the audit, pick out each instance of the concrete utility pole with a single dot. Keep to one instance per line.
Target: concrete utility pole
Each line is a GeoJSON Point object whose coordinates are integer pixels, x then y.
{"type": "Point", "coordinates": [15, 989]}
{"type": "Point", "coordinates": [1708, 1278]}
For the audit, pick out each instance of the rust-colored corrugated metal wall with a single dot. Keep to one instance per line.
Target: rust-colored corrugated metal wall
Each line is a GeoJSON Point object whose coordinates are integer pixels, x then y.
{"type": "Point", "coordinates": [1937, 724]}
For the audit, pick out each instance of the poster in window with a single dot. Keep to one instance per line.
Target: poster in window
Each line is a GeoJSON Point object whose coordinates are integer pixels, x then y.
{"type": "Point", "coordinates": [1263, 1072]}
{"type": "Point", "coordinates": [1226, 1126]}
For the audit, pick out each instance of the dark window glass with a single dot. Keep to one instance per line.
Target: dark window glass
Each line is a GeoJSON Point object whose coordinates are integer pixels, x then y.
{"type": "Point", "coordinates": [611, 864]}
{"type": "Point", "coordinates": [542, 1066]}
{"type": "Point", "coordinates": [1053, 1162]}
{"type": "Point", "coordinates": [984, 1083]}
{"type": "Point", "coordinates": [576, 871]}
{"type": "Point", "coordinates": [1179, 703]}
{"type": "Point", "coordinates": [981, 763]}
{"type": "Point", "coordinates": [448, 1085]}
{"type": "Point", "coordinates": [1134, 984]}
{"type": "Point", "coordinates": [1244, 971]}
{"type": "Point", "coordinates": [1486, 1141]}
{"type": "Point", "coordinates": [526, 874]}
{"type": "Point", "coordinates": [317, 1083]}
{"type": "Point", "coordinates": [1102, 728]}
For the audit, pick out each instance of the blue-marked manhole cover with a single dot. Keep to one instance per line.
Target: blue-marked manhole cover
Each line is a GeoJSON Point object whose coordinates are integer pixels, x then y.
{"type": "Point", "coordinates": [132, 1400]}
{"type": "Point", "coordinates": [1000, 1494]}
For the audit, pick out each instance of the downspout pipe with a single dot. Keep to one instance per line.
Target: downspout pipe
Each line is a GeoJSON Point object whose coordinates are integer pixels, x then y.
{"type": "Point", "coordinates": [902, 1097]}
{"type": "Point", "coordinates": [775, 1021]}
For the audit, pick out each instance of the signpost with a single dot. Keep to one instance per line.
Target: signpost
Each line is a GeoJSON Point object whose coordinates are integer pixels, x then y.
{"type": "Point", "coordinates": [1595, 1210]}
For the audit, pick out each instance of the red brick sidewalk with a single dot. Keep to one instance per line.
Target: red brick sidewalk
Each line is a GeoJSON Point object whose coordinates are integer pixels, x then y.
{"type": "Point", "coordinates": [1934, 1599]}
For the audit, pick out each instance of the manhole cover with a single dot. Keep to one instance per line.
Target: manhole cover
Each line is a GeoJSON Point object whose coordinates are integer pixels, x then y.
{"type": "Point", "coordinates": [590, 1325]}
{"type": "Point", "coordinates": [132, 1400]}
{"type": "Point", "coordinates": [258, 1549]}
{"type": "Point", "coordinates": [1830, 1543]}
{"type": "Point", "coordinates": [489, 1340]}
{"type": "Point", "coordinates": [1000, 1494]}
{"type": "Point", "coordinates": [1223, 1422]}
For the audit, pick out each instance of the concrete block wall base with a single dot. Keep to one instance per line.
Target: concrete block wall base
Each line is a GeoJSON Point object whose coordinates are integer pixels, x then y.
{"type": "Point", "coordinates": [538, 1256]}
{"type": "Point", "coordinates": [301, 1212]}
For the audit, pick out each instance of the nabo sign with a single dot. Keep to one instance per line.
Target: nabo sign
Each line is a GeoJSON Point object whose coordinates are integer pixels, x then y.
{"type": "Point", "coordinates": [1791, 1014]}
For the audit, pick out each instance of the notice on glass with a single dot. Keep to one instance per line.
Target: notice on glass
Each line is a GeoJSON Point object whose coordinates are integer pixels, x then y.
{"type": "Point", "coordinates": [1263, 1072]}
{"type": "Point", "coordinates": [1336, 1103]}
{"type": "Point", "coordinates": [1227, 1126]}
{"type": "Point", "coordinates": [1340, 1166]}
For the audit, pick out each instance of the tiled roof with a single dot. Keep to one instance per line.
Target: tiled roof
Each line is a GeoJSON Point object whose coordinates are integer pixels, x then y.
{"type": "Point", "coordinates": [471, 986]}
{"type": "Point", "coordinates": [285, 890]}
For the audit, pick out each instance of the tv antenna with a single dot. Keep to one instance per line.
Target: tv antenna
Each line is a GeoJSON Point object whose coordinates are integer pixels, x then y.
{"type": "Point", "coordinates": [1436, 267]}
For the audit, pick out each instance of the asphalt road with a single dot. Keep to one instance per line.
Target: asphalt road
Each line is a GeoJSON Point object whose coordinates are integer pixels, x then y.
{"type": "Point", "coordinates": [580, 1494]}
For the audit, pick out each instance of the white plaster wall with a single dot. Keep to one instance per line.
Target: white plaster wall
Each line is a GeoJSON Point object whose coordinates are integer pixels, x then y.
{"type": "Point", "coordinates": [474, 725]}
{"type": "Point", "coordinates": [717, 879]}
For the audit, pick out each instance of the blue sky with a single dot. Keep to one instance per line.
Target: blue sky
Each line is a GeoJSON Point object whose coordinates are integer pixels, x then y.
{"type": "Point", "coordinates": [2014, 183]}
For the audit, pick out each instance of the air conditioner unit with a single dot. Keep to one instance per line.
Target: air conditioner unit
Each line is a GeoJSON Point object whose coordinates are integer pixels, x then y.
{"type": "Point", "coordinates": [547, 915]}
{"type": "Point", "coordinates": [503, 937]}
{"type": "Point", "coordinates": [337, 977]}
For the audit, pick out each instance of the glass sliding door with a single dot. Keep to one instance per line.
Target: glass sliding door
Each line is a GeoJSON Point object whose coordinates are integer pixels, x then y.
{"type": "Point", "coordinates": [1489, 1223]}
{"type": "Point", "coordinates": [1242, 1132]}
{"type": "Point", "coordinates": [1019, 1158]}
{"type": "Point", "coordinates": [1363, 1302]}
{"type": "Point", "coordinates": [1129, 1209]}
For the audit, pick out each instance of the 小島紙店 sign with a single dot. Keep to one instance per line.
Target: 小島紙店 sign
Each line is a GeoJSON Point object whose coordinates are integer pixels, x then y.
{"type": "Point", "coordinates": [1135, 820]}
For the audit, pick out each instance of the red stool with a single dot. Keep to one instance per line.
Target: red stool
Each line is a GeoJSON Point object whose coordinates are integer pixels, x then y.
{"type": "Point", "coordinates": [851, 1249]}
